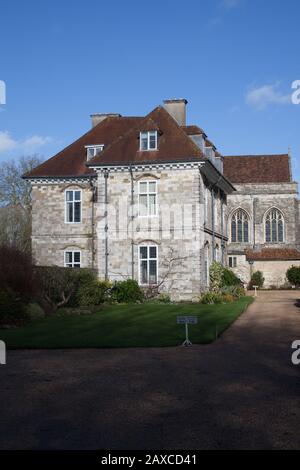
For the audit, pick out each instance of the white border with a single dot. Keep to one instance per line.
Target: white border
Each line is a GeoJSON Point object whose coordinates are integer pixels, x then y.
{"type": "Point", "coordinates": [65, 193]}
{"type": "Point", "coordinates": [148, 259]}
{"type": "Point", "coordinates": [147, 194]}
{"type": "Point", "coordinates": [72, 251]}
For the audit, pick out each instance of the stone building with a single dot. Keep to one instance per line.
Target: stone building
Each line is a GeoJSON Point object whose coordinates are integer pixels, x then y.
{"type": "Point", "coordinates": [148, 198]}
{"type": "Point", "coordinates": [263, 217]}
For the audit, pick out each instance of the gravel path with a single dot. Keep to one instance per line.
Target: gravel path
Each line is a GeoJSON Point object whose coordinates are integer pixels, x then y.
{"type": "Point", "coordinates": [242, 392]}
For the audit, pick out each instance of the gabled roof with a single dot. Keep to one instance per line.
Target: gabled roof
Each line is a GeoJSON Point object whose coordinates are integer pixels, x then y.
{"type": "Point", "coordinates": [174, 144]}
{"type": "Point", "coordinates": [273, 254]}
{"type": "Point", "coordinates": [258, 168]}
{"type": "Point", "coordinates": [72, 160]}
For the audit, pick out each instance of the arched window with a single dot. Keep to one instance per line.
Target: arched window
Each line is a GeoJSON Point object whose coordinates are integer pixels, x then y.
{"type": "Point", "coordinates": [274, 226]}
{"type": "Point", "coordinates": [240, 227]}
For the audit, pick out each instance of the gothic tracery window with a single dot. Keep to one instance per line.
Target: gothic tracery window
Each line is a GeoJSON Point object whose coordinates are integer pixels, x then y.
{"type": "Point", "coordinates": [274, 226]}
{"type": "Point", "coordinates": [240, 227]}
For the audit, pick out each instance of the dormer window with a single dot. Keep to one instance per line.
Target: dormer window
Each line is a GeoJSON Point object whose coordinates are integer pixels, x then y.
{"type": "Point", "coordinates": [148, 140]}
{"type": "Point", "coordinates": [93, 150]}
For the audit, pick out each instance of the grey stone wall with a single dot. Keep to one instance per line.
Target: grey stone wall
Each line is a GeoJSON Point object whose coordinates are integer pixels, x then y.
{"type": "Point", "coordinates": [256, 200]}
{"type": "Point", "coordinates": [50, 234]}
{"type": "Point", "coordinates": [181, 230]}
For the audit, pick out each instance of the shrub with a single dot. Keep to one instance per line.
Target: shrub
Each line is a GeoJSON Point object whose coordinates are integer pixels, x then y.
{"type": "Point", "coordinates": [229, 278]}
{"type": "Point", "coordinates": [236, 291]}
{"type": "Point", "coordinates": [257, 279]}
{"type": "Point", "coordinates": [227, 298]}
{"type": "Point", "coordinates": [159, 299]}
{"type": "Point", "coordinates": [216, 276]}
{"type": "Point", "coordinates": [127, 291]}
{"type": "Point", "coordinates": [210, 298]}
{"type": "Point", "coordinates": [16, 272]}
{"type": "Point", "coordinates": [293, 275]}
{"type": "Point", "coordinates": [35, 311]}
{"type": "Point", "coordinates": [12, 309]}
{"type": "Point", "coordinates": [94, 293]}
{"type": "Point", "coordinates": [84, 277]}
{"type": "Point", "coordinates": [164, 299]}
{"type": "Point", "coordinates": [56, 285]}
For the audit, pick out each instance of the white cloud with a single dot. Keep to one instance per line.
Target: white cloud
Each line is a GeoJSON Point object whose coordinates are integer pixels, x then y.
{"type": "Point", "coordinates": [260, 98]}
{"type": "Point", "coordinates": [36, 141]}
{"type": "Point", "coordinates": [8, 143]}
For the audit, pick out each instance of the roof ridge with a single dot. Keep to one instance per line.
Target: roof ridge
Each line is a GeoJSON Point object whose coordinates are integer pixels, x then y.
{"type": "Point", "coordinates": [149, 116]}
{"type": "Point", "coordinates": [258, 155]}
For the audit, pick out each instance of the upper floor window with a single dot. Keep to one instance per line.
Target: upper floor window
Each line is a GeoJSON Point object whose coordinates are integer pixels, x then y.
{"type": "Point", "coordinates": [148, 140]}
{"type": "Point", "coordinates": [72, 259]}
{"type": "Point", "coordinates": [148, 265]}
{"type": "Point", "coordinates": [274, 226]}
{"type": "Point", "coordinates": [93, 150]}
{"type": "Point", "coordinates": [240, 227]}
{"type": "Point", "coordinates": [147, 198]}
{"type": "Point", "coordinates": [73, 206]}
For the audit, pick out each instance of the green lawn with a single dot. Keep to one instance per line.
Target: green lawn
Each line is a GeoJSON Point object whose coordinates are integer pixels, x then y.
{"type": "Point", "coordinates": [126, 326]}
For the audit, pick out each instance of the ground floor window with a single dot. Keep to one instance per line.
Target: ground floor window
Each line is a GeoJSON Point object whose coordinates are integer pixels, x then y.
{"type": "Point", "coordinates": [148, 264]}
{"type": "Point", "coordinates": [72, 259]}
{"type": "Point", "coordinates": [232, 260]}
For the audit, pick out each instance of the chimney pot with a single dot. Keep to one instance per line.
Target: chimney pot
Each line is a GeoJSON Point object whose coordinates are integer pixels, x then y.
{"type": "Point", "coordinates": [177, 109]}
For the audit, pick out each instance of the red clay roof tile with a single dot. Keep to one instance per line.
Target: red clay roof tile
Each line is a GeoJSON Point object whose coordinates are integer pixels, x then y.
{"type": "Point", "coordinates": [274, 254]}
{"type": "Point", "coordinates": [72, 160]}
{"type": "Point", "coordinates": [173, 144]}
{"type": "Point", "coordinates": [257, 168]}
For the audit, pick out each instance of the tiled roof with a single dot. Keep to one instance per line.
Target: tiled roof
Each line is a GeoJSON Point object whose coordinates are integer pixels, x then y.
{"type": "Point", "coordinates": [174, 144]}
{"type": "Point", "coordinates": [193, 130]}
{"type": "Point", "coordinates": [273, 254]}
{"type": "Point", "coordinates": [257, 168]}
{"type": "Point", "coordinates": [72, 160]}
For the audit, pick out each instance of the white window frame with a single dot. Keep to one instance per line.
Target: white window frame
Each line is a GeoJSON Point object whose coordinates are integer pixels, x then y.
{"type": "Point", "coordinates": [148, 194]}
{"type": "Point", "coordinates": [71, 265]}
{"type": "Point", "coordinates": [67, 203]}
{"type": "Point", "coordinates": [99, 147]}
{"type": "Point", "coordinates": [148, 264]}
{"type": "Point", "coordinates": [233, 260]}
{"type": "Point", "coordinates": [149, 133]}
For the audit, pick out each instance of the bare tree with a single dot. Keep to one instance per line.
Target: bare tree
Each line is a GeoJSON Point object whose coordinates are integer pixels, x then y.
{"type": "Point", "coordinates": [15, 203]}
{"type": "Point", "coordinates": [170, 265]}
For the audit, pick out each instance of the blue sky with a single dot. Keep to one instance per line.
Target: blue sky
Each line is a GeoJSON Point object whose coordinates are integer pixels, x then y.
{"type": "Point", "coordinates": [234, 60]}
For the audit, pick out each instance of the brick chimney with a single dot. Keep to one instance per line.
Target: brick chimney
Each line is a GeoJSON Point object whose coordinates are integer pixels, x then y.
{"type": "Point", "coordinates": [98, 117]}
{"type": "Point", "coordinates": [177, 109]}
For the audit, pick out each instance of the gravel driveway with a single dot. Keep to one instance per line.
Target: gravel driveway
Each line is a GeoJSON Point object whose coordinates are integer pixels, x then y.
{"type": "Point", "coordinates": [242, 392]}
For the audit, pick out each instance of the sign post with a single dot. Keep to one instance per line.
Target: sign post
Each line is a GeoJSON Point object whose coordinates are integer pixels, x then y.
{"type": "Point", "coordinates": [187, 321]}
